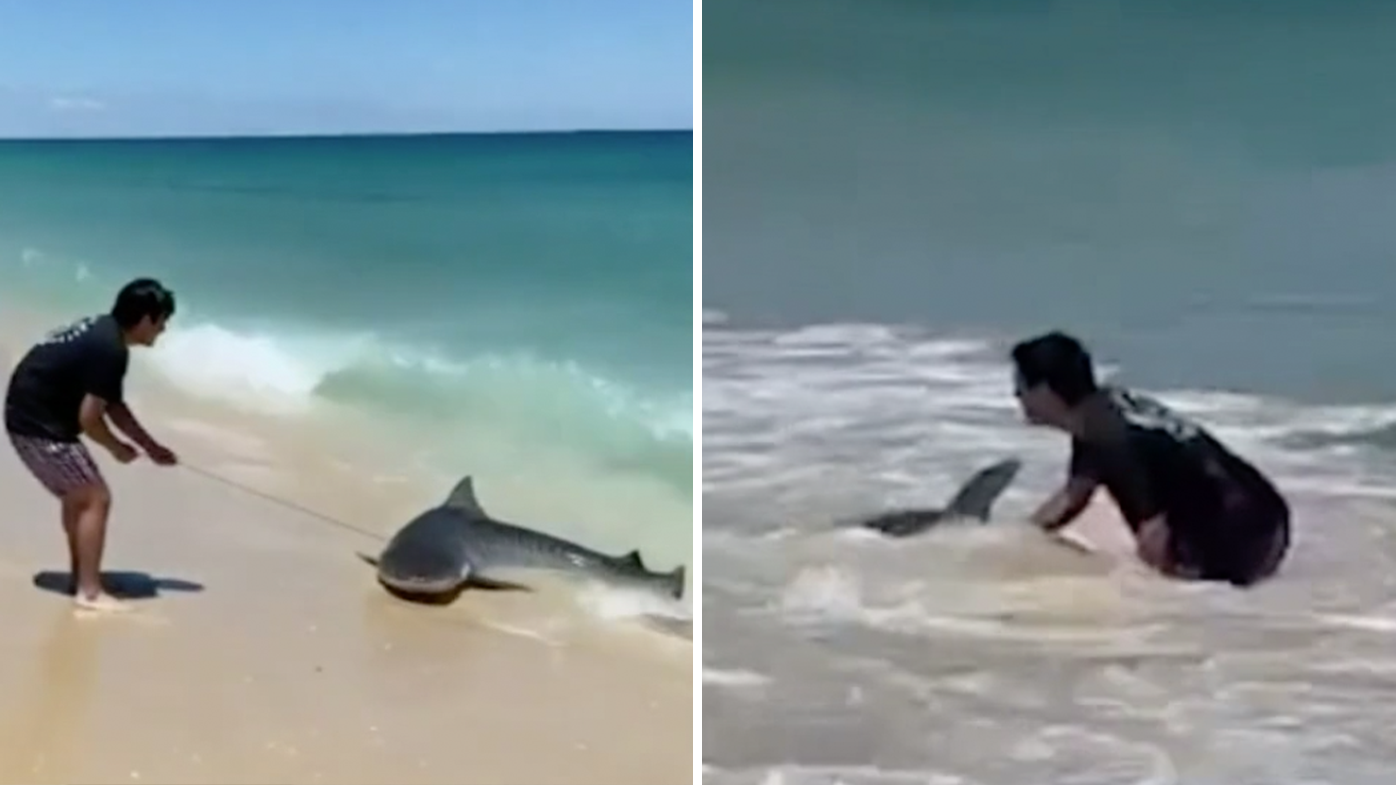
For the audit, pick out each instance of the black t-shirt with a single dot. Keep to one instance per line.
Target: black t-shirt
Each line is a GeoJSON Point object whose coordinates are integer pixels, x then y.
{"type": "Point", "coordinates": [47, 387]}
{"type": "Point", "coordinates": [1154, 460]}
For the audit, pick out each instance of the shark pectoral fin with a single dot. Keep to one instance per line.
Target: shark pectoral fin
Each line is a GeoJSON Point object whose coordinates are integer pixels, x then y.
{"type": "Point", "coordinates": [372, 561]}
{"type": "Point", "coordinates": [462, 497]}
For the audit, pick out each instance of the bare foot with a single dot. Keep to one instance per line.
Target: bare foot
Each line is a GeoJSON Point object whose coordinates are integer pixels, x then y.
{"type": "Point", "coordinates": [100, 602]}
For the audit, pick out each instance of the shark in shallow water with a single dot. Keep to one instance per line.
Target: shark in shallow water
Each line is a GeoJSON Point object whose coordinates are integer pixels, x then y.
{"type": "Point", "coordinates": [974, 501]}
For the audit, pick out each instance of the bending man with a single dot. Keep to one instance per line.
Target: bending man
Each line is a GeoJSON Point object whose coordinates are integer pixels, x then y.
{"type": "Point", "coordinates": [1197, 510]}
{"type": "Point", "coordinates": [73, 383]}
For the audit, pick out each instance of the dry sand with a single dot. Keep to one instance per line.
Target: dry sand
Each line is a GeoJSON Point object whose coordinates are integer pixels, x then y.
{"type": "Point", "coordinates": [291, 665]}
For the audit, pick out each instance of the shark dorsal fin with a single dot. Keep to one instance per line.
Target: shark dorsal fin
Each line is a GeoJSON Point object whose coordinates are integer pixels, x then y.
{"type": "Point", "coordinates": [462, 497]}
{"type": "Point", "coordinates": [633, 559]}
{"type": "Point", "coordinates": [976, 498]}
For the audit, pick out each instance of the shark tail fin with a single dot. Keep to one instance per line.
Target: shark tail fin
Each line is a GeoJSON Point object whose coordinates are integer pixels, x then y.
{"type": "Point", "coordinates": [673, 580]}
{"type": "Point", "coordinates": [976, 498]}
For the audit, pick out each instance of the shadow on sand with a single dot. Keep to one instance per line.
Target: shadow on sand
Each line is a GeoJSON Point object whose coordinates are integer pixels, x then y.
{"type": "Point", "coordinates": [123, 585]}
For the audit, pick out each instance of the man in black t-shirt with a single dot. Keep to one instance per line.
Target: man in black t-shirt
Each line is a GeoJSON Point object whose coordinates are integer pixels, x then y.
{"type": "Point", "coordinates": [1197, 510]}
{"type": "Point", "coordinates": [70, 384]}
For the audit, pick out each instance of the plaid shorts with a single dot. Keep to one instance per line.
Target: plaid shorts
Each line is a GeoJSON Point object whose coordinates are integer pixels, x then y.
{"type": "Point", "coordinates": [58, 466]}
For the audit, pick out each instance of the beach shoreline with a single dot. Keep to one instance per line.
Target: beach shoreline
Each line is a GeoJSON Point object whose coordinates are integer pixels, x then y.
{"type": "Point", "coordinates": [291, 664]}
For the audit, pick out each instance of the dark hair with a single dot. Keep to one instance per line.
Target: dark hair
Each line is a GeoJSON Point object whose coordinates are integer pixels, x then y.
{"type": "Point", "coordinates": [1059, 361]}
{"type": "Point", "coordinates": [141, 298]}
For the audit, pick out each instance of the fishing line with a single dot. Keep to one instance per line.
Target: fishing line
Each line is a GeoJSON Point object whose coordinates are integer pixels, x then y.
{"type": "Point", "coordinates": [290, 505]}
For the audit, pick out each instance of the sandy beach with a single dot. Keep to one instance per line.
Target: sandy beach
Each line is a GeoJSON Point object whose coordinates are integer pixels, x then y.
{"type": "Point", "coordinates": [271, 655]}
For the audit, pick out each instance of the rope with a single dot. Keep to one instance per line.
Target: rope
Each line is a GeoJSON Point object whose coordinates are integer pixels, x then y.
{"type": "Point", "coordinates": [290, 505]}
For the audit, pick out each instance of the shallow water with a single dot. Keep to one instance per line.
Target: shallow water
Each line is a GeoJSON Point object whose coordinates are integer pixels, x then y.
{"type": "Point", "coordinates": [897, 190]}
{"type": "Point", "coordinates": [986, 654]}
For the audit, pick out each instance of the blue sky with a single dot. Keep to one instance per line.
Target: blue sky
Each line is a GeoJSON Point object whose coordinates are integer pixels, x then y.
{"type": "Point", "coordinates": [174, 67]}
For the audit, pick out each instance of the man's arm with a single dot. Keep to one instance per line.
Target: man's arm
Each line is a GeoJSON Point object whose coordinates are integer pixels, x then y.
{"type": "Point", "coordinates": [103, 382]}
{"type": "Point", "coordinates": [125, 421]}
{"type": "Point", "coordinates": [1083, 477]}
{"type": "Point", "coordinates": [92, 418]}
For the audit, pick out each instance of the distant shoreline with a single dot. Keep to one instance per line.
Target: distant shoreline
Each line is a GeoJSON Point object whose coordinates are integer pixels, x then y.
{"type": "Point", "coordinates": [348, 135]}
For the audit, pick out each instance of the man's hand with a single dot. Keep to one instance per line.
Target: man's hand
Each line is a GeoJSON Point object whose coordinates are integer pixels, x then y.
{"type": "Point", "coordinates": [125, 421]}
{"type": "Point", "coordinates": [161, 454]}
{"type": "Point", "coordinates": [1066, 504]}
{"type": "Point", "coordinates": [122, 452]}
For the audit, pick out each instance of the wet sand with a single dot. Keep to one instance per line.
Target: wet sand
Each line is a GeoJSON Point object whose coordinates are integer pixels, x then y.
{"type": "Point", "coordinates": [270, 654]}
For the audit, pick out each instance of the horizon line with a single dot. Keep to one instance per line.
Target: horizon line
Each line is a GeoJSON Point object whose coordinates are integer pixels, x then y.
{"type": "Point", "coordinates": [336, 135]}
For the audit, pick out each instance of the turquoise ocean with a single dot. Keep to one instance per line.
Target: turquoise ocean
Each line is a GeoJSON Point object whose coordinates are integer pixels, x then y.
{"type": "Point", "coordinates": [530, 291]}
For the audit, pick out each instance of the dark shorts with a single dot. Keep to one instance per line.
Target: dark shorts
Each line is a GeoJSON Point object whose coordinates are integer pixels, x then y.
{"type": "Point", "coordinates": [1242, 547]}
{"type": "Point", "coordinates": [60, 467]}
